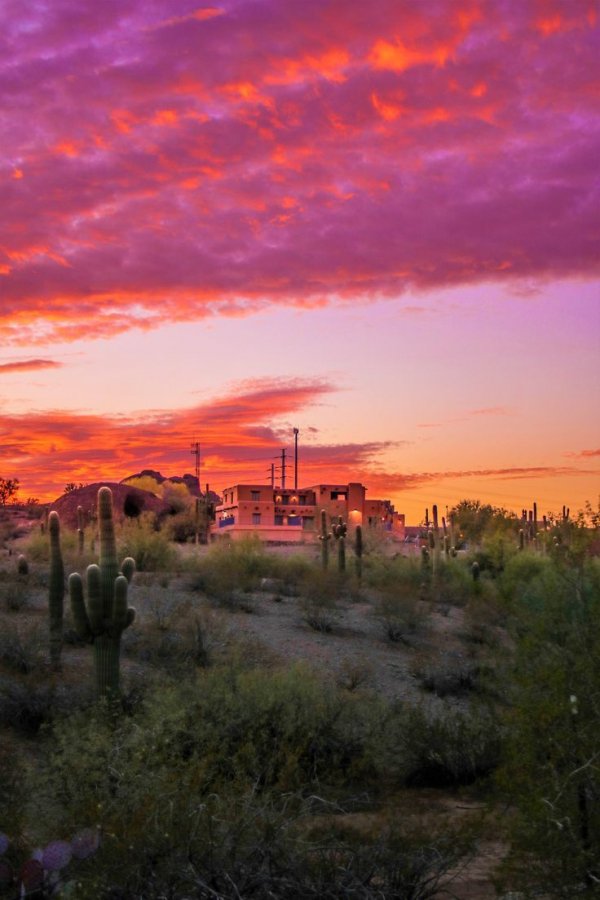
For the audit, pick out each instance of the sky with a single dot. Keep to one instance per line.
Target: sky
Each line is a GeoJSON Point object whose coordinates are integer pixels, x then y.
{"type": "Point", "coordinates": [377, 223]}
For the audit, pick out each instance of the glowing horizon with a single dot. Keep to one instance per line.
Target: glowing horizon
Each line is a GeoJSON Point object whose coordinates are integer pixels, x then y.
{"type": "Point", "coordinates": [378, 224]}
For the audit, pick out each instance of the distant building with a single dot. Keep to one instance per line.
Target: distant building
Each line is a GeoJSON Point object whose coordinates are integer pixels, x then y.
{"type": "Point", "coordinates": [276, 514]}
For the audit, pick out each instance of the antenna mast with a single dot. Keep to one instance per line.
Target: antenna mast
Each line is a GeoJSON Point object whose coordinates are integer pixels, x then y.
{"type": "Point", "coordinates": [195, 451]}
{"type": "Point", "coordinates": [296, 432]}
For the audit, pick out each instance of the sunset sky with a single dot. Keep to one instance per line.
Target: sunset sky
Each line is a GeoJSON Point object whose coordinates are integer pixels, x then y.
{"type": "Point", "coordinates": [377, 222]}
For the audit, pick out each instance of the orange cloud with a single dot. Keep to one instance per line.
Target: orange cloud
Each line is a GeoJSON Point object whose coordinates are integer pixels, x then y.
{"type": "Point", "coordinates": [29, 365]}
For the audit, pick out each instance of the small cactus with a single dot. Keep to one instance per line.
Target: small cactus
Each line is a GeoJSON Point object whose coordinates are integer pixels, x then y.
{"type": "Point", "coordinates": [106, 615]}
{"type": "Point", "coordinates": [324, 537]}
{"type": "Point", "coordinates": [22, 565]}
{"type": "Point", "coordinates": [475, 571]}
{"type": "Point", "coordinates": [339, 532]}
{"type": "Point", "coordinates": [56, 590]}
{"type": "Point", "coordinates": [80, 530]}
{"type": "Point", "coordinates": [358, 550]}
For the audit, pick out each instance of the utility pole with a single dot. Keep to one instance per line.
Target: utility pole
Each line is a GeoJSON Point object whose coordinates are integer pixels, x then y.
{"type": "Point", "coordinates": [273, 476]}
{"type": "Point", "coordinates": [195, 451]}
{"type": "Point", "coordinates": [296, 459]}
{"type": "Point", "coordinates": [283, 469]}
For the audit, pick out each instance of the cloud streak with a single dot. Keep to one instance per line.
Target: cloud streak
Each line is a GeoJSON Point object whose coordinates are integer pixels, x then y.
{"type": "Point", "coordinates": [186, 164]}
{"type": "Point", "coordinates": [241, 434]}
{"type": "Point", "coordinates": [28, 365]}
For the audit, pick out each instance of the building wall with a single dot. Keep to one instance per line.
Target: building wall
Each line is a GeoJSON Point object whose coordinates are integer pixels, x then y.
{"type": "Point", "coordinates": [259, 508]}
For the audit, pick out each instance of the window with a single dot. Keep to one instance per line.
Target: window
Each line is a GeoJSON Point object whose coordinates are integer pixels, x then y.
{"type": "Point", "coordinates": [302, 499]}
{"type": "Point", "coordinates": [256, 518]}
{"type": "Point", "coordinates": [279, 520]}
{"type": "Point", "coordinates": [255, 495]}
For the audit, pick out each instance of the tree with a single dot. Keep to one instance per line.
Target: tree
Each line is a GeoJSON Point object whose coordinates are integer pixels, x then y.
{"type": "Point", "coordinates": [552, 767]}
{"type": "Point", "coordinates": [71, 486]}
{"type": "Point", "coordinates": [474, 519]}
{"type": "Point", "coordinates": [8, 489]}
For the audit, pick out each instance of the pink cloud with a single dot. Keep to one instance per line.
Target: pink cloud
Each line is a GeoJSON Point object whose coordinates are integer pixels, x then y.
{"type": "Point", "coordinates": [165, 164]}
{"type": "Point", "coordinates": [583, 454]}
{"type": "Point", "coordinates": [28, 365]}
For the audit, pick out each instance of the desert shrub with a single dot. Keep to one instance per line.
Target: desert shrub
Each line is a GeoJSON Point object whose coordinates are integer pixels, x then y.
{"type": "Point", "coordinates": [449, 675]}
{"type": "Point", "coordinates": [267, 846]}
{"type": "Point", "coordinates": [401, 613]}
{"type": "Point", "coordinates": [196, 642]}
{"type": "Point", "coordinates": [389, 573]}
{"type": "Point", "coordinates": [37, 547]}
{"type": "Point", "coordinates": [23, 646]}
{"type": "Point", "coordinates": [27, 704]}
{"type": "Point", "coordinates": [486, 616]}
{"type": "Point", "coordinates": [14, 593]}
{"type": "Point", "coordinates": [291, 571]}
{"type": "Point", "coordinates": [192, 790]}
{"type": "Point", "coordinates": [321, 592]}
{"type": "Point", "coordinates": [150, 548]}
{"type": "Point", "coordinates": [12, 783]}
{"type": "Point", "coordinates": [550, 771]}
{"type": "Point", "coordinates": [181, 527]}
{"type": "Point", "coordinates": [354, 673]}
{"type": "Point", "coordinates": [161, 607]}
{"type": "Point", "coordinates": [231, 569]}
{"type": "Point", "coordinates": [519, 572]}
{"type": "Point", "coordinates": [453, 584]}
{"type": "Point", "coordinates": [448, 747]}
{"type": "Point", "coordinates": [229, 728]}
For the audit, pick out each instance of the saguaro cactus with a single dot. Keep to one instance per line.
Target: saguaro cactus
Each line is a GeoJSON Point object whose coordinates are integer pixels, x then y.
{"type": "Point", "coordinates": [339, 533]}
{"type": "Point", "coordinates": [324, 537]}
{"type": "Point", "coordinates": [80, 529]}
{"type": "Point", "coordinates": [436, 539]}
{"type": "Point", "coordinates": [106, 615]}
{"type": "Point", "coordinates": [56, 591]}
{"type": "Point", "coordinates": [358, 550]}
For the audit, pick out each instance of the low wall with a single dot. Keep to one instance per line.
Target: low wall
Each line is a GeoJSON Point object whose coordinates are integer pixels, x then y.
{"type": "Point", "coordinates": [291, 534]}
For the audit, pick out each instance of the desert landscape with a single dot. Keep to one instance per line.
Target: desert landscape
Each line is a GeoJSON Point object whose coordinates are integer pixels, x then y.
{"type": "Point", "coordinates": [299, 390]}
{"type": "Point", "coordinates": [382, 723]}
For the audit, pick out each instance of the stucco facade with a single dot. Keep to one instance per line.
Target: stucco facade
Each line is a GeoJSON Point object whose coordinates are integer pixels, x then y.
{"type": "Point", "coordinates": [276, 514]}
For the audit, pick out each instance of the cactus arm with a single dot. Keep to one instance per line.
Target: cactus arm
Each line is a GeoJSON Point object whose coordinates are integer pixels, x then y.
{"type": "Point", "coordinates": [358, 550]}
{"type": "Point", "coordinates": [128, 568]}
{"type": "Point", "coordinates": [80, 616]}
{"type": "Point", "coordinates": [324, 538]}
{"type": "Point", "coordinates": [119, 615]}
{"type": "Point", "coordinates": [95, 605]}
{"type": "Point", "coordinates": [109, 566]}
{"type": "Point", "coordinates": [130, 616]}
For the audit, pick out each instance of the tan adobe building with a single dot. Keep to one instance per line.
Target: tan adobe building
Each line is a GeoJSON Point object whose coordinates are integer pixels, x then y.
{"type": "Point", "coordinates": [290, 515]}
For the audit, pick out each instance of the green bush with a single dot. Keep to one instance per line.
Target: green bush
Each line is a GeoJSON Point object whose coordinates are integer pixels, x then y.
{"type": "Point", "coordinates": [550, 772]}
{"type": "Point", "coordinates": [450, 675]}
{"type": "Point", "coordinates": [150, 548]}
{"type": "Point", "coordinates": [231, 569]}
{"type": "Point", "coordinates": [23, 645]}
{"type": "Point", "coordinates": [401, 613]}
{"type": "Point", "coordinates": [448, 747]}
{"type": "Point", "coordinates": [321, 591]}
{"type": "Point", "coordinates": [14, 592]}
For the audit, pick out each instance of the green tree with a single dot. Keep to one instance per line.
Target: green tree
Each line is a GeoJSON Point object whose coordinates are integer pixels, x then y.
{"type": "Point", "coordinates": [551, 771]}
{"type": "Point", "coordinates": [474, 519]}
